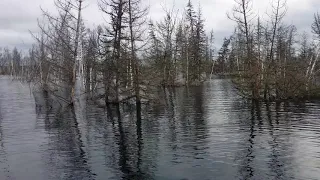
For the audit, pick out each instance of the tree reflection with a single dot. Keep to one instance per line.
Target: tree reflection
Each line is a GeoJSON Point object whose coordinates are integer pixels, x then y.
{"type": "Point", "coordinates": [279, 143]}
{"type": "Point", "coordinates": [3, 153]}
{"type": "Point", "coordinates": [179, 135]}
{"type": "Point", "coordinates": [65, 155]}
{"type": "Point", "coordinates": [273, 151]}
{"type": "Point", "coordinates": [247, 156]}
{"type": "Point", "coordinates": [130, 145]}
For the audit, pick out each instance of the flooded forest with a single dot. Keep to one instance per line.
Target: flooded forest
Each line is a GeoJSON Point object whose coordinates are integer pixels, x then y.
{"type": "Point", "coordinates": [142, 99]}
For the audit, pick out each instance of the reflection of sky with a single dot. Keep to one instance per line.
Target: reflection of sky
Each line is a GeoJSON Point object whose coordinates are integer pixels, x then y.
{"type": "Point", "coordinates": [20, 140]}
{"type": "Point", "coordinates": [305, 136]}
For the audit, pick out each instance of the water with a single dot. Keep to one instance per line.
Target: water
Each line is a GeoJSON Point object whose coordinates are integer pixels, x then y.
{"type": "Point", "coordinates": [197, 134]}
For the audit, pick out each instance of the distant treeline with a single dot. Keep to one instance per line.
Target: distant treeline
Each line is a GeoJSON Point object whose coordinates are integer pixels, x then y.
{"type": "Point", "coordinates": [12, 62]}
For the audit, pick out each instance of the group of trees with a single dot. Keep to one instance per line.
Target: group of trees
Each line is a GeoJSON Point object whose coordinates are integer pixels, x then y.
{"type": "Point", "coordinates": [124, 59]}
{"type": "Point", "coordinates": [11, 62]}
{"type": "Point", "coordinates": [270, 60]}
{"type": "Point", "coordinates": [180, 50]}
{"type": "Point", "coordinates": [130, 55]}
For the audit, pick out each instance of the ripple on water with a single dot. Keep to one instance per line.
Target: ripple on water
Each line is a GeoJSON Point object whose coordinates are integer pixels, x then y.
{"type": "Point", "coordinates": [205, 132]}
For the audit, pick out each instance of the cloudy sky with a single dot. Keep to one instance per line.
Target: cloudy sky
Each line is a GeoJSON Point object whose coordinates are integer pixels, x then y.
{"type": "Point", "coordinates": [18, 17]}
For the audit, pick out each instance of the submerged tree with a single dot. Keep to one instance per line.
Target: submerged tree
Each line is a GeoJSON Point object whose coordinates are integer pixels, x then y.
{"type": "Point", "coordinates": [179, 48]}
{"type": "Point", "coordinates": [119, 61]}
{"type": "Point", "coordinates": [122, 42]}
{"type": "Point", "coordinates": [223, 63]}
{"type": "Point", "coordinates": [136, 21]}
{"type": "Point", "coordinates": [270, 67]}
{"type": "Point", "coordinates": [58, 50]}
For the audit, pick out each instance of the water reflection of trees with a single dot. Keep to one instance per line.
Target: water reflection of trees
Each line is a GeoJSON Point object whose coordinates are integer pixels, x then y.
{"type": "Point", "coordinates": [132, 139]}
{"type": "Point", "coordinates": [64, 155]}
{"type": "Point", "coordinates": [132, 162]}
{"type": "Point", "coordinates": [5, 171]}
{"type": "Point", "coordinates": [184, 129]}
{"type": "Point", "coordinates": [268, 150]}
{"type": "Point", "coordinates": [280, 158]}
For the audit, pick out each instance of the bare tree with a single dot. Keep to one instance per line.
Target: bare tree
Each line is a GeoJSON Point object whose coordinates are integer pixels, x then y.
{"type": "Point", "coordinates": [243, 16]}
{"type": "Point", "coordinates": [137, 20]}
{"type": "Point", "coordinates": [115, 9]}
{"type": "Point", "coordinates": [279, 9]}
{"type": "Point", "coordinates": [316, 25]}
{"type": "Point", "coordinates": [315, 58]}
{"type": "Point", "coordinates": [58, 49]}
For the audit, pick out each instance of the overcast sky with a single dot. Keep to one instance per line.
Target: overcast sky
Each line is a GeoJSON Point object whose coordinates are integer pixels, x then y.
{"type": "Point", "coordinates": [17, 17]}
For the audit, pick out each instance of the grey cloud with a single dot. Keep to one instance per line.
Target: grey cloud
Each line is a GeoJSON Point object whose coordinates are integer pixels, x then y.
{"type": "Point", "coordinates": [18, 24]}
{"type": "Point", "coordinates": [17, 17]}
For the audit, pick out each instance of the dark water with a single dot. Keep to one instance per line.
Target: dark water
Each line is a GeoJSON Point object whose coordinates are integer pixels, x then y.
{"type": "Point", "coordinates": [197, 134]}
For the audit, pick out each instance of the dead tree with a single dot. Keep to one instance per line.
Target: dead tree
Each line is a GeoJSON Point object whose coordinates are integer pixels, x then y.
{"type": "Point", "coordinates": [115, 9]}
{"type": "Point", "coordinates": [165, 30]}
{"type": "Point", "coordinates": [91, 57]}
{"type": "Point", "coordinates": [279, 9]}
{"type": "Point", "coordinates": [59, 51]}
{"type": "Point", "coordinates": [243, 15]}
{"type": "Point", "coordinates": [315, 58]}
{"type": "Point", "coordinates": [136, 21]}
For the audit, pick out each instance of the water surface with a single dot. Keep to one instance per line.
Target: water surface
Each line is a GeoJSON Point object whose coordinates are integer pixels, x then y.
{"type": "Point", "coordinates": [198, 133]}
